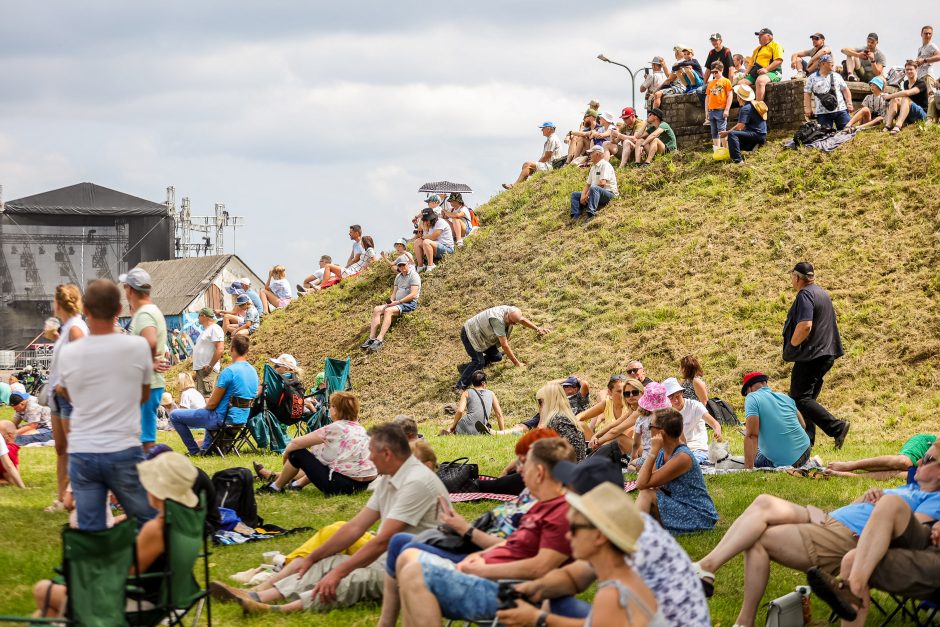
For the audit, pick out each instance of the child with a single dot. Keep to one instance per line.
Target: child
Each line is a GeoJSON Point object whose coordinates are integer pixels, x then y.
{"type": "Point", "coordinates": [9, 456]}
{"type": "Point", "coordinates": [874, 106]}
{"type": "Point", "coordinates": [717, 102]}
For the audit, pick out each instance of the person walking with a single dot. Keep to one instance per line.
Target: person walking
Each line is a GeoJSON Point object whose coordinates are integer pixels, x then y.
{"type": "Point", "coordinates": [485, 333]}
{"type": "Point", "coordinates": [811, 341]}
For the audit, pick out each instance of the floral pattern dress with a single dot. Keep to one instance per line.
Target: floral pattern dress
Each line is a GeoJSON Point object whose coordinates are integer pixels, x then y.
{"type": "Point", "coordinates": [345, 449]}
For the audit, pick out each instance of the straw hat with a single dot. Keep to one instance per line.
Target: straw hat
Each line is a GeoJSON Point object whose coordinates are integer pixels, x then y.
{"type": "Point", "coordinates": [166, 399]}
{"type": "Point", "coordinates": [613, 512]}
{"type": "Point", "coordinates": [745, 92]}
{"type": "Point", "coordinates": [169, 476]}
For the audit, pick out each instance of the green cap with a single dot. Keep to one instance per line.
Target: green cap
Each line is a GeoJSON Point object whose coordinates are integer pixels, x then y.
{"type": "Point", "coordinates": [319, 379]}
{"type": "Point", "coordinates": [207, 312]}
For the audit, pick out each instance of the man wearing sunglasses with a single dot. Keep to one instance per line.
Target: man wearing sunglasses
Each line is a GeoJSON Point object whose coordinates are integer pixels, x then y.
{"type": "Point", "coordinates": [804, 537]}
{"type": "Point", "coordinates": [807, 61]}
{"type": "Point", "coordinates": [635, 370]}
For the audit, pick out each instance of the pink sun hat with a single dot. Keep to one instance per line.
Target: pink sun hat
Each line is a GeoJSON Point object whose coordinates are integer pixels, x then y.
{"type": "Point", "coordinates": [654, 397]}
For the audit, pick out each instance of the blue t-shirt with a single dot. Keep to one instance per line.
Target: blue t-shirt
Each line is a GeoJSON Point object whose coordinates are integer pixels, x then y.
{"type": "Point", "coordinates": [751, 120]}
{"type": "Point", "coordinates": [5, 393]}
{"type": "Point", "coordinates": [255, 299]}
{"type": "Point", "coordinates": [241, 381]}
{"type": "Point", "coordinates": [781, 438]}
{"type": "Point", "coordinates": [855, 515]}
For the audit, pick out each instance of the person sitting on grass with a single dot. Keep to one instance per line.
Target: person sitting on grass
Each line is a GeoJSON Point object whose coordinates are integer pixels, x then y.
{"type": "Point", "coordinates": [672, 488]}
{"type": "Point", "coordinates": [693, 385]}
{"type": "Point", "coordinates": [615, 441]}
{"type": "Point", "coordinates": [555, 413]}
{"type": "Point", "coordinates": [578, 391]}
{"type": "Point", "coordinates": [400, 248]}
{"type": "Point", "coordinates": [458, 217]}
{"type": "Point", "coordinates": [653, 400]}
{"type": "Point", "coordinates": [33, 422]}
{"type": "Point", "coordinates": [404, 299]}
{"type": "Point", "coordinates": [244, 319]}
{"type": "Point", "coordinates": [552, 151]}
{"type": "Point", "coordinates": [431, 585]}
{"type": "Point", "coordinates": [885, 467]}
{"type": "Point", "coordinates": [437, 240]}
{"type": "Point", "coordinates": [335, 458]}
{"type": "Point", "coordinates": [657, 139]}
{"type": "Point", "coordinates": [509, 480]}
{"type": "Point", "coordinates": [909, 105]}
{"type": "Point", "coordinates": [750, 132]}
{"type": "Point", "coordinates": [9, 456]}
{"type": "Point", "coordinates": [604, 131]}
{"type": "Point", "coordinates": [775, 431]}
{"type": "Point", "coordinates": [624, 140]}
{"type": "Point", "coordinates": [579, 141]}
{"type": "Point", "coordinates": [169, 476]}
{"type": "Point", "coordinates": [404, 499]}
{"type": "Point", "coordinates": [694, 418]}
{"type": "Point", "coordinates": [802, 537]}
{"type": "Point", "coordinates": [874, 106]}
{"type": "Point", "coordinates": [485, 333]}
{"type": "Point", "coordinates": [609, 409]}
{"type": "Point", "coordinates": [600, 188]}
{"type": "Point", "coordinates": [475, 407]}
{"type": "Point", "coordinates": [315, 280]}
{"type": "Point", "coordinates": [276, 293]}
{"type": "Point", "coordinates": [333, 274]}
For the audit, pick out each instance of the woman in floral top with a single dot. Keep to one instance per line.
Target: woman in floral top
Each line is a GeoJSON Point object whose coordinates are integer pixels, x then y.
{"type": "Point", "coordinates": [335, 458]}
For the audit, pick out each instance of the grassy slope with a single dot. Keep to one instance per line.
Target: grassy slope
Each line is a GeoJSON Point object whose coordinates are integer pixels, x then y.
{"type": "Point", "coordinates": [691, 258]}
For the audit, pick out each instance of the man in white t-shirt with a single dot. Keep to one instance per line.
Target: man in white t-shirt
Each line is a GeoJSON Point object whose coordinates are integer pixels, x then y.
{"type": "Point", "coordinates": [552, 150]}
{"type": "Point", "coordinates": [355, 234]}
{"type": "Point", "coordinates": [106, 377]}
{"type": "Point", "coordinates": [927, 55]}
{"type": "Point", "coordinates": [207, 352]}
{"type": "Point", "coordinates": [316, 278]}
{"type": "Point", "coordinates": [600, 188]}
{"type": "Point", "coordinates": [653, 81]}
{"type": "Point", "coordinates": [437, 241]}
{"type": "Point", "coordinates": [694, 418]}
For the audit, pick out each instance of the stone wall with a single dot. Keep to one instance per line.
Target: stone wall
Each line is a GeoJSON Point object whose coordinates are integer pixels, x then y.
{"type": "Point", "coordinates": [784, 101]}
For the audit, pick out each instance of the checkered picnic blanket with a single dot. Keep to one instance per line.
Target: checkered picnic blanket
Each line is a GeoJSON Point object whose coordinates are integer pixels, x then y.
{"type": "Point", "coordinates": [467, 497]}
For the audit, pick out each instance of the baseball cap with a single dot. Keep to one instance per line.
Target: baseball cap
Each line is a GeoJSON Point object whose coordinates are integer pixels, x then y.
{"type": "Point", "coordinates": [245, 282]}
{"type": "Point", "coordinates": [658, 61]}
{"type": "Point", "coordinates": [817, 36]}
{"type": "Point", "coordinates": [285, 360]}
{"type": "Point", "coordinates": [715, 36]}
{"type": "Point", "coordinates": [750, 379]}
{"type": "Point", "coordinates": [627, 112]}
{"type": "Point", "coordinates": [804, 267]}
{"type": "Point", "coordinates": [547, 124]}
{"type": "Point", "coordinates": [571, 382]}
{"type": "Point", "coordinates": [658, 113]}
{"type": "Point", "coordinates": [137, 278]}
{"type": "Point", "coordinates": [826, 58]}
{"type": "Point", "coordinates": [242, 299]}
{"type": "Point", "coordinates": [873, 36]}
{"type": "Point", "coordinates": [764, 31]}
{"type": "Point", "coordinates": [595, 148]}
{"type": "Point", "coordinates": [207, 312]}
{"type": "Point", "coordinates": [590, 113]}
{"type": "Point", "coordinates": [402, 259]}
{"type": "Point", "coordinates": [16, 399]}
{"type": "Point", "coordinates": [402, 241]}
{"type": "Point", "coordinates": [587, 475]}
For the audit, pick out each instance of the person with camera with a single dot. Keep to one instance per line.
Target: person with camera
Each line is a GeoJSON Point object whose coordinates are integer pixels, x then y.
{"type": "Point", "coordinates": [436, 241]}
{"type": "Point", "coordinates": [827, 97]}
{"type": "Point", "coordinates": [864, 64]}
{"type": "Point", "coordinates": [404, 299]}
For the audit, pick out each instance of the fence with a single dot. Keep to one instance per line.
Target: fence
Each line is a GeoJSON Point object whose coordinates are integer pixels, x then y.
{"type": "Point", "coordinates": [39, 357]}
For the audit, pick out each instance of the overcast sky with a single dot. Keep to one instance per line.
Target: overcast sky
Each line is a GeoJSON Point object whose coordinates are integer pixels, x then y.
{"type": "Point", "coordinates": [305, 117]}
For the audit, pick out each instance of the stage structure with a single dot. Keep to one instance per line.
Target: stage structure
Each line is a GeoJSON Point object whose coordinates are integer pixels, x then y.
{"type": "Point", "coordinates": [195, 234]}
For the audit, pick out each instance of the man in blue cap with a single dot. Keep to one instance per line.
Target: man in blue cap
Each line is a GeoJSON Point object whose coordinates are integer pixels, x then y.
{"type": "Point", "coordinates": [243, 286]}
{"type": "Point", "coordinates": [661, 562]}
{"type": "Point", "coordinates": [551, 151]}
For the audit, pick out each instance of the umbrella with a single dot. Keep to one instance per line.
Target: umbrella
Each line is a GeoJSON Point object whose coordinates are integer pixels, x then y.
{"type": "Point", "coordinates": [444, 187]}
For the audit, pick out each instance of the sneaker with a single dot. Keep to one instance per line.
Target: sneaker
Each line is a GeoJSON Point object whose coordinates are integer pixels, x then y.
{"type": "Point", "coordinates": [706, 122]}
{"type": "Point", "coordinates": [301, 289]}
{"type": "Point", "coordinates": [268, 489]}
{"type": "Point", "coordinates": [840, 439]}
{"type": "Point", "coordinates": [507, 185]}
{"type": "Point", "coordinates": [430, 268]}
{"type": "Point", "coordinates": [376, 345]}
{"type": "Point", "coordinates": [460, 243]}
{"type": "Point", "coordinates": [367, 344]}
{"type": "Point", "coordinates": [482, 428]}
{"type": "Point", "coordinates": [422, 268]}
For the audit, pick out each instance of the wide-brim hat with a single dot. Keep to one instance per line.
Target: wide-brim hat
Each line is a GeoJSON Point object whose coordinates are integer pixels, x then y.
{"type": "Point", "coordinates": [612, 512]}
{"type": "Point", "coordinates": [654, 397]}
{"type": "Point", "coordinates": [285, 360]}
{"type": "Point", "coordinates": [169, 477]}
{"type": "Point", "coordinates": [745, 92]}
{"type": "Point", "coordinates": [166, 398]}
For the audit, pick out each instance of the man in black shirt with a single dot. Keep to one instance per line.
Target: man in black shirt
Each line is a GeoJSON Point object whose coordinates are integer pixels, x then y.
{"type": "Point", "coordinates": [811, 341]}
{"type": "Point", "coordinates": [717, 53]}
{"type": "Point", "coordinates": [909, 105]}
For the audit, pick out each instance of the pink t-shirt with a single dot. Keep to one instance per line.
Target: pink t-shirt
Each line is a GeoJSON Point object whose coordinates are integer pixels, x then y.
{"type": "Point", "coordinates": [345, 449]}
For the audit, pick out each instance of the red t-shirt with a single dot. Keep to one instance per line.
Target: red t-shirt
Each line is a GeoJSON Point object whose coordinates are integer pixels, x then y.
{"type": "Point", "coordinates": [13, 450]}
{"type": "Point", "coordinates": [545, 526]}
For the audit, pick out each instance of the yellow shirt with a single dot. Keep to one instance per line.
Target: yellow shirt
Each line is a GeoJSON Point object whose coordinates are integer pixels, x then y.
{"type": "Point", "coordinates": [765, 55]}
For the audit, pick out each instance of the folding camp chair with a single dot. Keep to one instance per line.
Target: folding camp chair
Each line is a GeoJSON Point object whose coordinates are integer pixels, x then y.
{"type": "Point", "coordinates": [95, 567]}
{"type": "Point", "coordinates": [336, 375]}
{"type": "Point", "coordinates": [184, 540]}
{"type": "Point", "coordinates": [268, 430]}
{"type": "Point", "coordinates": [229, 437]}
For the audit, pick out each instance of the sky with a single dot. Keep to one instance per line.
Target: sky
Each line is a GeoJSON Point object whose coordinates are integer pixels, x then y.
{"type": "Point", "coordinates": [306, 117]}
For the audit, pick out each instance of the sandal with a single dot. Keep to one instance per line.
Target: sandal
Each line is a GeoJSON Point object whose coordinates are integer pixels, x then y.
{"type": "Point", "coordinates": [707, 579]}
{"type": "Point", "coordinates": [57, 506]}
{"type": "Point", "coordinates": [896, 130]}
{"type": "Point", "coordinates": [835, 593]}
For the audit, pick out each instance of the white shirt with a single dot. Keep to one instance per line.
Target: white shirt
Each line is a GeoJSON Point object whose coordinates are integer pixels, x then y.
{"type": "Point", "coordinates": [554, 146]}
{"type": "Point", "coordinates": [192, 399]}
{"type": "Point", "coordinates": [653, 82]}
{"type": "Point", "coordinates": [693, 427]}
{"type": "Point", "coordinates": [17, 388]}
{"type": "Point", "coordinates": [4, 450]}
{"type": "Point", "coordinates": [204, 350]}
{"type": "Point", "coordinates": [603, 170]}
{"type": "Point", "coordinates": [103, 375]}
{"type": "Point", "coordinates": [64, 331]}
{"type": "Point", "coordinates": [922, 53]}
{"type": "Point", "coordinates": [447, 237]}
{"type": "Point", "coordinates": [408, 496]}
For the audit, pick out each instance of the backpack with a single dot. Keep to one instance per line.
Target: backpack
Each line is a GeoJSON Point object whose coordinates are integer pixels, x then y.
{"type": "Point", "coordinates": [290, 404]}
{"type": "Point", "coordinates": [234, 489]}
{"type": "Point", "coordinates": [810, 132]}
{"type": "Point", "coordinates": [474, 220]}
{"type": "Point", "coordinates": [722, 412]}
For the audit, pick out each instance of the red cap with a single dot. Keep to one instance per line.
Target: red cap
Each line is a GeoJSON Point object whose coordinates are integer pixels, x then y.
{"type": "Point", "coordinates": [750, 379]}
{"type": "Point", "coordinates": [627, 112]}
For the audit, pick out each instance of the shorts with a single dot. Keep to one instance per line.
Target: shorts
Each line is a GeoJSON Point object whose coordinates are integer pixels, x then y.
{"type": "Point", "coordinates": [542, 166]}
{"type": "Point", "coordinates": [827, 543]}
{"type": "Point", "coordinates": [908, 572]}
{"type": "Point", "coordinates": [282, 303]}
{"type": "Point", "coordinates": [674, 88]}
{"type": "Point", "coordinates": [458, 594]}
{"type": "Point", "coordinates": [916, 114]}
{"type": "Point", "coordinates": [717, 121]}
{"type": "Point", "coordinates": [148, 416]}
{"type": "Point", "coordinates": [916, 447]}
{"type": "Point", "coordinates": [61, 407]}
{"type": "Point", "coordinates": [442, 250]}
{"type": "Point", "coordinates": [864, 75]}
{"type": "Point", "coordinates": [773, 76]}
{"type": "Point", "coordinates": [408, 307]}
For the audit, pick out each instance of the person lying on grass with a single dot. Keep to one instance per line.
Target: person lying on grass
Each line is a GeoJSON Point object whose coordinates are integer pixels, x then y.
{"type": "Point", "coordinates": [886, 467]}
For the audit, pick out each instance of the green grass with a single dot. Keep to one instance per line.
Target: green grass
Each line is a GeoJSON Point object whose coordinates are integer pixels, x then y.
{"type": "Point", "coordinates": [29, 546]}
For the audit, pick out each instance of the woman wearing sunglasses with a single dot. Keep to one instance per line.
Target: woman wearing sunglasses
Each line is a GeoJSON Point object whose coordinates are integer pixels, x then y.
{"type": "Point", "coordinates": [608, 410]}
{"type": "Point", "coordinates": [616, 439]}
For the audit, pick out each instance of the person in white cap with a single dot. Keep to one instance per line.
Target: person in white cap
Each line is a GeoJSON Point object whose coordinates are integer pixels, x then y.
{"type": "Point", "coordinates": [553, 150]}
{"type": "Point", "coordinates": [243, 286]}
{"type": "Point", "coordinates": [653, 81]}
{"type": "Point", "coordinates": [694, 419]}
{"type": "Point", "coordinates": [600, 187]}
{"type": "Point", "coordinates": [401, 248]}
{"type": "Point", "coordinates": [404, 299]}
{"type": "Point", "coordinates": [148, 322]}
{"type": "Point", "coordinates": [605, 131]}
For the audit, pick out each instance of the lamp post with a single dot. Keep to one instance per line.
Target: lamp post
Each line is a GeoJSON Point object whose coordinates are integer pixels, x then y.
{"type": "Point", "coordinates": [633, 76]}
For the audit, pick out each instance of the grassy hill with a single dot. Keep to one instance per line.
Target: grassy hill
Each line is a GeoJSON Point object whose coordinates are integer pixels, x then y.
{"type": "Point", "coordinates": [691, 258]}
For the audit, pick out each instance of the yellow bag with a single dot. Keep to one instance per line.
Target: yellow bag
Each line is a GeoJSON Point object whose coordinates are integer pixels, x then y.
{"type": "Point", "coordinates": [721, 154]}
{"type": "Point", "coordinates": [322, 536]}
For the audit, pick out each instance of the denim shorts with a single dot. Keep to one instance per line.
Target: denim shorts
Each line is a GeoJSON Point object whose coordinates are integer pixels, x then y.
{"type": "Point", "coordinates": [717, 121]}
{"type": "Point", "coordinates": [410, 306]}
{"type": "Point", "coordinates": [61, 407]}
{"type": "Point", "coordinates": [916, 114]}
{"type": "Point", "coordinates": [458, 594]}
{"type": "Point", "coordinates": [443, 250]}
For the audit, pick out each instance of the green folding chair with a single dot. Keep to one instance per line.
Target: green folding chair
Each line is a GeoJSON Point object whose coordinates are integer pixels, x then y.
{"type": "Point", "coordinates": [185, 542]}
{"type": "Point", "coordinates": [336, 375]}
{"type": "Point", "coordinates": [95, 567]}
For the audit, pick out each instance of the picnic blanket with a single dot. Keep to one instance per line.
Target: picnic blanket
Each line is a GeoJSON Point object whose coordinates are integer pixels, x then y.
{"type": "Point", "coordinates": [469, 497]}
{"type": "Point", "coordinates": [830, 143]}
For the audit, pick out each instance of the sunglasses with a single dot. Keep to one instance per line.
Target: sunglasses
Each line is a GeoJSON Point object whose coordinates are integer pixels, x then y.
{"type": "Point", "coordinates": [631, 392]}
{"type": "Point", "coordinates": [619, 377]}
{"type": "Point", "coordinates": [633, 370]}
{"type": "Point", "coordinates": [652, 426]}
{"type": "Point", "coordinates": [575, 527]}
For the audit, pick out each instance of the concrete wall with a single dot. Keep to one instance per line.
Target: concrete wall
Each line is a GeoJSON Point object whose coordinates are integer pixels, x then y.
{"type": "Point", "coordinates": [784, 104]}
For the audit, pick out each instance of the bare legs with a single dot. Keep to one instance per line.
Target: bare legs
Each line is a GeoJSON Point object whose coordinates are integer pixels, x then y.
{"type": "Point", "coordinates": [383, 315]}
{"type": "Point", "coordinates": [418, 606]}
{"type": "Point", "coordinates": [782, 544]}
{"type": "Point", "coordinates": [882, 467]}
{"type": "Point", "coordinates": [60, 432]}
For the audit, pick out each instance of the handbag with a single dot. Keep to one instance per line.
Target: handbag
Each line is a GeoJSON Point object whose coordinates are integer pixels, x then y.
{"type": "Point", "coordinates": [829, 100]}
{"type": "Point", "coordinates": [457, 475]}
{"type": "Point", "coordinates": [789, 610]}
{"type": "Point", "coordinates": [443, 537]}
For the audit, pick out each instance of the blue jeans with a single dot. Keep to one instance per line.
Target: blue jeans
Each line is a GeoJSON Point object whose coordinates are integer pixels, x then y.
{"type": "Point", "coordinates": [184, 419]}
{"type": "Point", "coordinates": [717, 121]}
{"type": "Point", "coordinates": [459, 595]}
{"type": "Point", "coordinates": [570, 607]}
{"type": "Point", "coordinates": [743, 140]}
{"type": "Point", "coordinates": [597, 198]}
{"type": "Point", "coordinates": [93, 474]}
{"type": "Point", "coordinates": [401, 542]}
{"type": "Point", "coordinates": [701, 457]}
{"type": "Point", "coordinates": [837, 119]}
{"type": "Point", "coordinates": [148, 416]}
{"type": "Point", "coordinates": [39, 435]}
{"type": "Point", "coordinates": [477, 359]}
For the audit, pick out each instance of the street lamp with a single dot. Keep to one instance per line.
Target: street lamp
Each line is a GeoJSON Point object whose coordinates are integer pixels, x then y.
{"type": "Point", "coordinates": [633, 75]}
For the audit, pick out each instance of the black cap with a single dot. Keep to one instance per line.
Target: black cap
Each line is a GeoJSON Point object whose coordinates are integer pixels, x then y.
{"type": "Point", "coordinates": [873, 36]}
{"type": "Point", "coordinates": [817, 36]}
{"type": "Point", "coordinates": [658, 113]}
{"type": "Point", "coordinates": [764, 31]}
{"type": "Point", "coordinates": [17, 398]}
{"type": "Point", "coordinates": [428, 214]}
{"type": "Point", "coordinates": [590, 473]}
{"type": "Point", "coordinates": [804, 267]}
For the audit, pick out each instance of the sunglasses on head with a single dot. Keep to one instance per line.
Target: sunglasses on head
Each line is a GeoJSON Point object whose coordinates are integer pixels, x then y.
{"type": "Point", "coordinates": [619, 377]}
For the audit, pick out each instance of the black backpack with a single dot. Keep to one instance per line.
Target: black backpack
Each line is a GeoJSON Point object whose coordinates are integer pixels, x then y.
{"type": "Point", "coordinates": [810, 132]}
{"type": "Point", "coordinates": [290, 404]}
{"type": "Point", "coordinates": [234, 489]}
{"type": "Point", "coordinates": [723, 412]}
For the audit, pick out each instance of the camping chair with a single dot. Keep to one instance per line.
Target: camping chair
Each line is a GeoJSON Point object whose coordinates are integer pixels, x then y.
{"type": "Point", "coordinates": [95, 567]}
{"type": "Point", "coordinates": [229, 437]}
{"type": "Point", "coordinates": [336, 375]}
{"type": "Point", "coordinates": [184, 540]}
{"type": "Point", "coordinates": [266, 427]}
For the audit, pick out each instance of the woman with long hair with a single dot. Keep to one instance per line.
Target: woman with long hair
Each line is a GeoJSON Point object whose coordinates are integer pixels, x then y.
{"type": "Point", "coordinates": [694, 387]}
{"type": "Point", "coordinates": [67, 308]}
{"type": "Point", "coordinates": [608, 410]}
{"type": "Point", "coordinates": [555, 413]}
{"type": "Point", "coordinates": [333, 274]}
{"type": "Point", "coordinates": [616, 440]}
{"type": "Point", "coordinates": [276, 293]}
